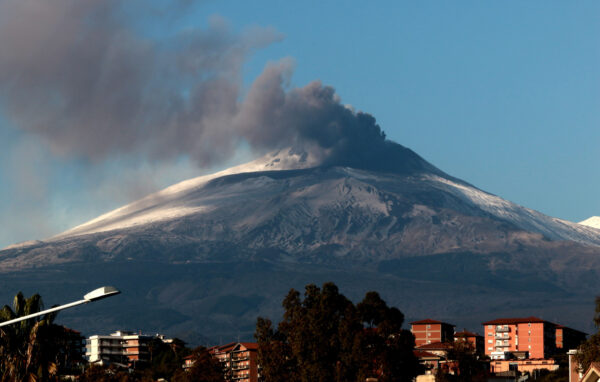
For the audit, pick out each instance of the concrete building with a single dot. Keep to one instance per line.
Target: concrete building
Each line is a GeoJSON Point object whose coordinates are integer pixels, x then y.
{"type": "Point", "coordinates": [121, 348]}
{"type": "Point", "coordinates": [539, 338]}
{"type": "Point", "coordinates": [533, 335]}
{"type": "Point", "coordinates": [430, 331]}
{"type": "Point", "coordinates": [239, 360]}
{"type": "Point", "coordinates": [568, 338]}
{"type": "Point", "coordinates": [523, 365]}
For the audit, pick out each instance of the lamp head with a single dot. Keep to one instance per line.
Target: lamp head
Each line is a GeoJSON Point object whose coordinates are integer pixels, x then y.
{"type": "Point", "coordinates": [100, 293]}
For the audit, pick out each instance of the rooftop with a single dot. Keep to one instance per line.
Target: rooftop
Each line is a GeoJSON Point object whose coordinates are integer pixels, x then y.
{"type": "Point", "coordinates": [506, 321]}
{"type": "Point", "coordinates": [466, 333]}
{"type": "Point", "coordinates": [430, 321]}
{"type": "Point", "coordinates": [435, 346]}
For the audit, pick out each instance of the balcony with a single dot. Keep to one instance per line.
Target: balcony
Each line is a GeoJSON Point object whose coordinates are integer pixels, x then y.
{"type": "Point", "coordinates": [502, 330]}
{"type": "Point", "coordinates": [502, 336]}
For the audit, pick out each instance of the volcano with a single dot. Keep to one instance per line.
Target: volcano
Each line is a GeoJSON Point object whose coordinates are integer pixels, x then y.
{"type": "Point", "coordinates": [203, 258]}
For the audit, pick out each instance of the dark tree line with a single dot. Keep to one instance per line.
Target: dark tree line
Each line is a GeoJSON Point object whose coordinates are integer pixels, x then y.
{"type": "Point", "coordinates": [324, 337]}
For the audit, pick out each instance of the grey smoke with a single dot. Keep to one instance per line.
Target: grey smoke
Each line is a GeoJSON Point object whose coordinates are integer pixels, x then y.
{"type": "Point", "coordinates": [76, 74]}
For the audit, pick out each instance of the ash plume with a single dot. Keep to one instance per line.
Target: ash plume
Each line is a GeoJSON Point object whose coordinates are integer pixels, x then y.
{"type": "Point", "coordinates": [78, 75]}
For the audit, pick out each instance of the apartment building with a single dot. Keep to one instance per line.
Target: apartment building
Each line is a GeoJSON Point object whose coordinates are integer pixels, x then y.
{"type": "Point", "coordinates": [537, 337]}
{"type": "Point", "coordinates": [122, 348]}
{"type": "Point", "coordinates": [533, 335]}
{"type": "Point", "coordinates": [568, 338]}
{"type": "Point", "coordinates": [239, 360]}
{"type": "Point", "coordinates": [430, 331]}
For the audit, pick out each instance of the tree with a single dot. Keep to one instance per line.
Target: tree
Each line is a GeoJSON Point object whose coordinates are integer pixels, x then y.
{"type": "Point", "coordinates": [464, 364]}
{"type": "Point", "coordinates": [589, 351]}
{"type": "Point", "coordinates": [30, 349]}
{"type": "Point", "coordinates": [204, 369]}
{"type": "Point", "coordinates": [325, 337]}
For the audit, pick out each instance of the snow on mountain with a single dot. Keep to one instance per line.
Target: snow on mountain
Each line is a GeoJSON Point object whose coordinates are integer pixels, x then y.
{"type": "Point", "coordinates": [167, 204]}
{"type": "Point", "coordinates": [593, 222]}
{"type": "Point", "coordinates": [524, 218]}
{"type": "Point", "coordinates": [189, 198]}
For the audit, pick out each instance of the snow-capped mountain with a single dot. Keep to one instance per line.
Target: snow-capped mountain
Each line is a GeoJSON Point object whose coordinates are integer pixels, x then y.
{"type": "Point", "coordinates": [227, 246]}
{"type": "Point", "coordinates": [593, 222]}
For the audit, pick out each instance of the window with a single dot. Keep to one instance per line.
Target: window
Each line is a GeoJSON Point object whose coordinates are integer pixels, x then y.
{"type": "Point", "coordinates": [530, 346]}
{"type": "Point", "coordinates": [490, 334]}
{"type": "Point", "coordinates": [529, 324]}
{"type": "Point", "coordinates": [490, 326]}
{"type": "Point", "coordinates": [428, 326]}
{"type": "Point", "coordinates": [490, 341]}
{"type": "Point", "coordinates": [428, 334]}
{"type": "Point", "coordinates": [490, 349]}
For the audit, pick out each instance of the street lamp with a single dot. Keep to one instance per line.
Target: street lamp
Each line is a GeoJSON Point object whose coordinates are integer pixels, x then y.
{"type": "Point", "coordinates": [96, 294]}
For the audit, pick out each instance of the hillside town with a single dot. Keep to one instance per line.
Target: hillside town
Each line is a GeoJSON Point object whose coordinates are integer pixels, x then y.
{"type": "Point", "coordinates": [508, 349]}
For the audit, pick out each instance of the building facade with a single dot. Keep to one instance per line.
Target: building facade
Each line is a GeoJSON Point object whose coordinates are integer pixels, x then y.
{"type": "Point", "coordinates": [239, 361]}
{"type": "Point", "coordinates": [431, 331]}
{"type": "Point", "coordinates": [568, 338]}
{"type": "Point", "coordinates": [121, 348]}
{"type": "Point", "coordinates": [532, 335]}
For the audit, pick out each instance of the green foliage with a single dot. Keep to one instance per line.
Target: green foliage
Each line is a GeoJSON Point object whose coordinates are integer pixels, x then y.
{"type": "Point", "coordinates": [205, 368]}
{"type": "Point", "coordinates": [325, 337]}
{"type": "Point", "coordinates": [464, 365]}
{"type": "Point", "coordinates": [31, 349]}
{"type": "Point", "coordinates": [589, 351]}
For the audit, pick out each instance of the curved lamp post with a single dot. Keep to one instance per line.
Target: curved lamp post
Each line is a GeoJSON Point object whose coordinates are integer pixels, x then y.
{"type": "Point", "coordinates": [96, 294]}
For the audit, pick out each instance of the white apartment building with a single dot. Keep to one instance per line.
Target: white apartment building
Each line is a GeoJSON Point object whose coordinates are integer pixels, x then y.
{"type": "Point", "coordinates": [120, 347]}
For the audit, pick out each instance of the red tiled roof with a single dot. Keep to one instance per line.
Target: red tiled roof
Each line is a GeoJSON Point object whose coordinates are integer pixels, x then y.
{"type": "Point", "coordinates": [505, 321]}
{"type": "Point", "coordinates": [465, 333]}
{"type": "Point", "coordinates": [221, 348]}
{"type": "Point", "coordinates": [436, 346]}
{"type": "Point", "coordinates": [430, 321]}
{"type": "Point", "coordinates": [424, 354]}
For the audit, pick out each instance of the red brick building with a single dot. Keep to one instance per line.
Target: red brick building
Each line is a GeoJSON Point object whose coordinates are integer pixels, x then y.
{"type": "Point", "coordinates": [239, 360]}
{"type": "Point", "coordinates": [528, 334]}
{"type": "Point", "coordinates": [476, 340]}
{"type": "Point", "coordinates": [568, 338]}
{"type": "Point", "coordinates": [538, 337]}
{"type": "Point", "coordinates": [430, 331]}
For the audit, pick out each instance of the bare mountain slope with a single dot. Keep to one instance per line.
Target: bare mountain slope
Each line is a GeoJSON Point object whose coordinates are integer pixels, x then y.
{"type": "Point", "coordinates": [226, 247]}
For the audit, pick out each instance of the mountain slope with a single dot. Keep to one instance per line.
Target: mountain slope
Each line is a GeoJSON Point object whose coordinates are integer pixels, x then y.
{"type": "Point", "coordinates": [226, 247]}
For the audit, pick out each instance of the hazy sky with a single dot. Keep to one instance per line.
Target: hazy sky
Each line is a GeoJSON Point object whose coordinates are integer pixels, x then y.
{"type": "Point", "coordinates": [102, 102]}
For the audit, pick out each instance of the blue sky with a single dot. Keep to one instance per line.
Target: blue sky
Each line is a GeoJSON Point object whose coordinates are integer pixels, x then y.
{"type": "Point", "coordinates": [505, 95]}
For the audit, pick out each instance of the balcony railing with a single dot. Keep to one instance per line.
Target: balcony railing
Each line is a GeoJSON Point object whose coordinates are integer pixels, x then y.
{"type": "Point", "coordinates": [502, 330]}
